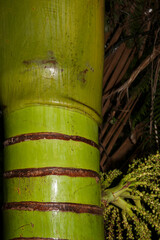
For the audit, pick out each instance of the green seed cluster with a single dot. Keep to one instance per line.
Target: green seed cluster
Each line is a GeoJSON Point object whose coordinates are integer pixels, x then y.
{"type": "Point", "coordinates": [149, 217]}
{"type": "Point", "coordinates": [132, 207]}
{"type": "Point", "coordinates": [107, 179]}
{"type": "Point", "coordinates": [110, 235]}
{"type": "Point", "coordinates": [127, 226]}
{"type": "Point", "coordinates": [119, 231]}
{"type": "Point", "coordinates": [141, 229]}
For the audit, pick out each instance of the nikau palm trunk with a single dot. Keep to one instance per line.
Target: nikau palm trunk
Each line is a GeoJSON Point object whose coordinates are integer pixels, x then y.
{"type": "Point", "coordinates": [50, 88]}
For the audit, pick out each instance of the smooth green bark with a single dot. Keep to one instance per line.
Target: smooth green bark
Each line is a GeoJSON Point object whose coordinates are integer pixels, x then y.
{"type": "Point", "coordinates": [53, 51]}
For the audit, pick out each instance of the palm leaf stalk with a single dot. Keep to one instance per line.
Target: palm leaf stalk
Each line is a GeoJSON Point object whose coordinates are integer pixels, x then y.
{"type": "Point", "coordinates": [133, 204]}
{"type": "Point", "coordinates": [50, 91]}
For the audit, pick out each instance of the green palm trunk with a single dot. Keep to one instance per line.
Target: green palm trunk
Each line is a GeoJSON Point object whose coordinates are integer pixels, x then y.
{"type": "Point", "coordinates": [50, 88]}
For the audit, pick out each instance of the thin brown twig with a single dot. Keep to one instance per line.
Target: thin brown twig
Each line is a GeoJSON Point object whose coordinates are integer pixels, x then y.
{"type": "Point", "coordinates": [141, 67]}
{"type": "Point", "coordinates": [154, 86]}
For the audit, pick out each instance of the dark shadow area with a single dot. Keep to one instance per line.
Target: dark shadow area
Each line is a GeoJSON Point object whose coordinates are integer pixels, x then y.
{"type": "Point", "coordinates": [1, 172]}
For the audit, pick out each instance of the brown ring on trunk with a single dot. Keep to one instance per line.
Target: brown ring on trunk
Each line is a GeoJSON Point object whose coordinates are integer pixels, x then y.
{"type": "Point", "coordinates": [47, 135]}
{"type": "Point", "coordinates": [60, 171]}
{"type": "Point", "coordinates": [53, 206]}
{"type": "Point", "coordinates": [36, 238]}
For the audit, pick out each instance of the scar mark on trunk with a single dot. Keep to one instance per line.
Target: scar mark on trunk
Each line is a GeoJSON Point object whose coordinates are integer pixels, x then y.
{"type": "Point", "coordinates": [53, 206]}
{"type": "Point", "coordinates": [59, 171]}
{"type": "Point", "coordinates": [48, 135]}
